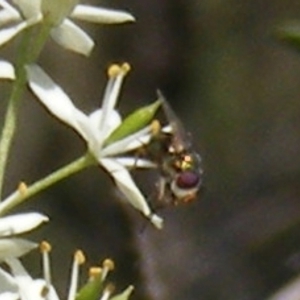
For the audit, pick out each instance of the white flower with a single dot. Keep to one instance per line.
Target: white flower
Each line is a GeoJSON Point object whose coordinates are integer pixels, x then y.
{"type": "Point", "coordinates": [56, 13]}
{"type": "Point", "coordinates": [97, 127]}
{"type": "Point", "coordinates": [7, 70]}
{"type": "Point", "coordinates": [16, 224]}
{"type": "Point", "coordinates": [18, 284]}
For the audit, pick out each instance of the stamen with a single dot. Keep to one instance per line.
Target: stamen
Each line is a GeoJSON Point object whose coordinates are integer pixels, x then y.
{"type": "Point", "coordinates": [113, 71]}
{"type": "Point", "coordinates": [107, 265]}
{"type": "Point", "coordinates": [109, 289]}
{"type": "Point", "coordinates": [155, 127]}
{"type": "Point", "coordinates": [22, 188]}
{"type": "Point", "coordinates": [45, 292]}
{"type": "Point", "coordinates": [79, 259]}
{"type": "Point", "coordinates": [45, 249]}
{"type": "Point", "coordinates": [126, 68]}
{"type": "Point", "coordinates": [94, 272]}
{"type": "Point", "coordinates": [116, 74]}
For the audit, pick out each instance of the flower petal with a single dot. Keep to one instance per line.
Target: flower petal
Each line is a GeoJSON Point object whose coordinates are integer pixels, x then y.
{"type": "Point", "coordinates": [132, 142]}
{"type": "Point", "coordinates": [20, 223]}
{"type": "Point", "coordinates": [72, 37]}
{"type": "Point", "coordinates": [96, 134]}
{"type": "Point", "coordinates": [9, 296]}
{"type": "Point", "coordinates": [56, 100]}
{"type": "Point", "coordinates": [8, 14]}
{"type": "Point", "coordinates": [135, 162]}
{"type": "Point", "coordinates": [9, 33]}
{"type": "Point", "coordinates": [101, 15]}
{"type": "Point", "coordinates": [15, 247]}
{"type": "Point", "coordinates": [126, 185]}
{"type": "Point", "coordinates": [29, 8]}
{"type": "Point", "coordinates": [7, 284]}
{"type": "Point", "coordinates": [30, 288]}
{"type": "Point", "coordinates": [7, 70]}
{"type": "Point", "coordinates": [112, 123]}
{"type": "Point", "coordinates": [57, 10]}
{"type": "Point", "coordinates": [116, 75]}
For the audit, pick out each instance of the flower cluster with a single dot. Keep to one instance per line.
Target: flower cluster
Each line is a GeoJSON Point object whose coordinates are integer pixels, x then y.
{"type": "Point", "coordinates": [10, 226]}
{"type": "Point", "coordinates": [18, 284]}
{"type": "Point", "coordinates": [110, 140]}
{"type": "Point", "coordinates": [97, 127]}
{"type": "Point", "coordinates": [56, 15]}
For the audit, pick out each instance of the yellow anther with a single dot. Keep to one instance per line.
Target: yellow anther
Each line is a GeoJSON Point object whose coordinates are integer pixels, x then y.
{"type": "Point", "coordinates": [44, 291]}
{"type": "Point", "coordinates": [108, 264]}
{"type": "Point", "coordinates": [113, 70]}
{"type": "Point", "coordinates": [22, 188]}
{"type": "Point", "coordinates": [94, 272]}
{"type": "Point", "coordinates": [45, 246]}
{"type": "Point", "coordinates": [79, 257]}
{"type": "Point", "coordinates": [155, 127]}
{"type": "Point", "coordinates": [126, 67]}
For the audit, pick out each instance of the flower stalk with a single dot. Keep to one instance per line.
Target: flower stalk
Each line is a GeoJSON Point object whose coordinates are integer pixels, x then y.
{"type": "Point", "coordinates": [23, 194]}
{"type": "Point", "coordinates": [27, 52]}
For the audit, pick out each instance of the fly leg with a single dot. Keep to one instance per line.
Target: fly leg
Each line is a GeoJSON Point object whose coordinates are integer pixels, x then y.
{"type": "Point", "coordinates": [161, 188]}
{"type": "Point", "coordinates": [164, 193]}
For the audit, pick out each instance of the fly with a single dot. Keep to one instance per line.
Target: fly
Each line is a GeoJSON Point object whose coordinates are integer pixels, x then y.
{"type": "Point", "coordinates": [178, 164]}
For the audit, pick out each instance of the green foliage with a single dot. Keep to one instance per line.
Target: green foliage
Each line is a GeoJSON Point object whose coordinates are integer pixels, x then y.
{"type": "Point", "coordinates": [290, 34]}
{"type": "Point", "coordinates": [124, 295]}
{"type": "Point", "coordinates": [91, 290]}
{"type": "Point", "coordinates": [134, 122]}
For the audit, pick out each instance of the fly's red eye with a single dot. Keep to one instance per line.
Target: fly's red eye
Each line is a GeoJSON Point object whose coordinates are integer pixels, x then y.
{"type": "Point", "coordinates": [188, 179]}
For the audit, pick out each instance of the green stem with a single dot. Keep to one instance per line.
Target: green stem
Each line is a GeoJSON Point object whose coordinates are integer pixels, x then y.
{"type": "Point", "coordinates": [23, 194]}
{"type": "Point", "coordinates": [29, 50]}
{"type": "Point", "coordinates": [10, 124]}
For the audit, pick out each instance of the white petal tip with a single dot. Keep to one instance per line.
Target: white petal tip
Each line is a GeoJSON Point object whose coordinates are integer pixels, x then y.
{"type": "Point", "coordinates": [130, 18]}
{"type": "Point", "coordinates": [157, 221]}
{"type": "Point", "coordinates": [101, 15]}
{"type": "Point", "coordinates": [73, 38]}
{"type": "Point", "coordinates": [44, 218]}
{"type": "Point", "coordinates": [123, 17]}
{"type": "Point", "coordinates": [37, 217]}
{"type": "Point", "coordinates": [7, 70]}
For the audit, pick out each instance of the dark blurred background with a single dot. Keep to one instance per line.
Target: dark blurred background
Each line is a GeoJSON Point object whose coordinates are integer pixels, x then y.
{"type": "Point", "coordinates": [236, 88]}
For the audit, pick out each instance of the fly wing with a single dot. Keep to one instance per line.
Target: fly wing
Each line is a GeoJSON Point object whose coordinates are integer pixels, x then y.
{"type": "Point", "coordinates": [181, 140]}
